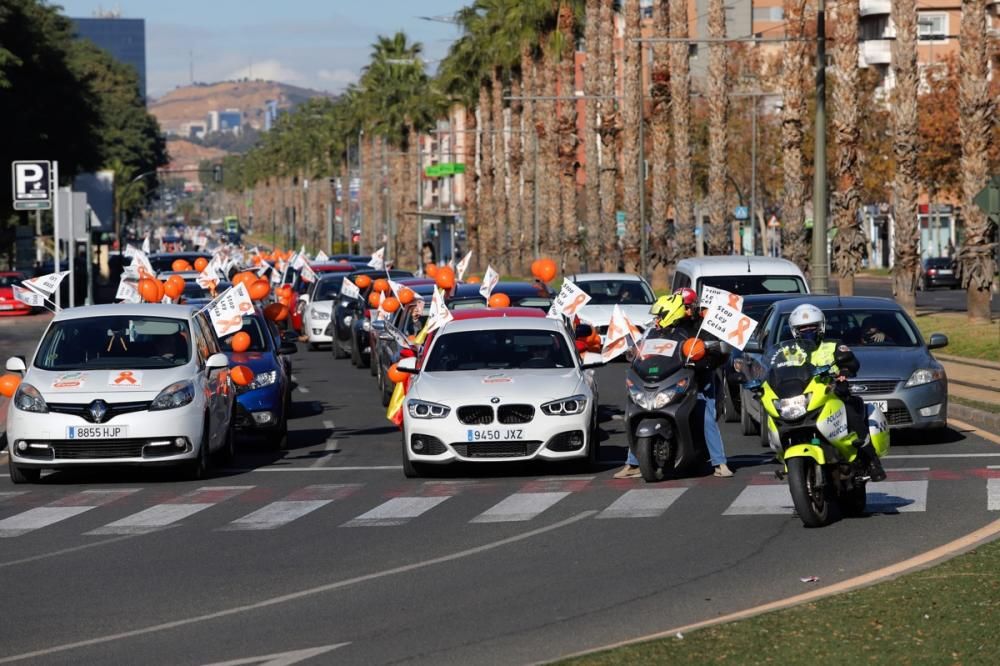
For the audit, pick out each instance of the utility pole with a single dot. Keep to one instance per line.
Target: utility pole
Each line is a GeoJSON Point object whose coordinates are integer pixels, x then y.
{"type": "Point", "coordinates": [820, 279]}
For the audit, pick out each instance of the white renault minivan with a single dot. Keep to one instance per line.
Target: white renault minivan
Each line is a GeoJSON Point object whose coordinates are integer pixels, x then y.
{"type": "Point", "coordinates": [741, 275]}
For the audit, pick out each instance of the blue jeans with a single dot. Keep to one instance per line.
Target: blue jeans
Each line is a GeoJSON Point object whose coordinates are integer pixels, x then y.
{"type": "Point", "coordinates": [713, 436]}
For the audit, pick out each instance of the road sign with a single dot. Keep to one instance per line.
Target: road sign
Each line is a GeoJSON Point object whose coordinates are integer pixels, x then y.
{"type": "Point", "coordinates": [988, 199]}
{"type": "Point", "coordinates": [741, 213]}
{"type": "Point", "coordinates": [620, 223]}
{"type": "Point", "coordinates": [773, 222]}
{"type": "Point", "coordinates": [32, 184]}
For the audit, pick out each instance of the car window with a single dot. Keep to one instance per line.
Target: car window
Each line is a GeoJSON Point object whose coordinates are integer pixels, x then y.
{"type": "Point", "coordinates": [258, 335]}
{"type": "Point", "coordinates": [115, 343]}
{"type": "Point", "coordinates": [327, 289]}
{"type": "Point", "coordinates": [681, 280]}
{"type": "Point", "coordinates": [9, 280]}
{"type": "Point", "coordinates": [610, 292]}
{"type": "Point", "coordinates": [504, 349]}
{"type": "Point", "coordinates": [755, 284]}
{"type": "Point", "coordinates": [863, 327]}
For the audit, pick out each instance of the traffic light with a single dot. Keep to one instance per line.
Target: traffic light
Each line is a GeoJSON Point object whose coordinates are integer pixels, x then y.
{"type": "Point", "coordinates": [217, 173]}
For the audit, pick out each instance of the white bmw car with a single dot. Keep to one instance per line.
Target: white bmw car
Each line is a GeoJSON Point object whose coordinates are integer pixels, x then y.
{"type": "Point", "coordinates": [499, 388]}
{"type": "Point", "coordinates": [121, 384]}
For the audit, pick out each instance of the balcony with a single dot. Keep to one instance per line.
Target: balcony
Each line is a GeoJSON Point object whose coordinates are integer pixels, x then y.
{"type": "Point", "coordinates": [875, 52]}
{"type": "Point", "coordinates": [873, 7]}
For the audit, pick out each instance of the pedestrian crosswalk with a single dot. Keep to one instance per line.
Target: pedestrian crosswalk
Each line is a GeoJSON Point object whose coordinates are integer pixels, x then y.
{"type": "Point", "coordinates": [249, 508]}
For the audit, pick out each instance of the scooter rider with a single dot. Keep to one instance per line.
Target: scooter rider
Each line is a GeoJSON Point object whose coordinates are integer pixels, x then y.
{"type": "Point", "coordinates": [807, 322]}
{"type": "Point", "coordinates": [679, 312]}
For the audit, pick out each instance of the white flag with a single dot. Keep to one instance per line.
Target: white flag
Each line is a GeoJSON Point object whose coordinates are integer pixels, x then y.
{"type": "Point", "coordinates": [208, 278]}
{"type": "Point", "coordinates": [490, 280]}
{"type": "Point", "coordinates": [322, 256]}
{"type": "Point", "coordinates": [264, 268]}
{"type": "Point", "coordinates": [308, 274]}
{"type": "Point", "coordinates": [712, 295]}
{"type": "Point", "coordinates": [394, 286]}
{"type": "Point", "coordinates": [439, 314]}
{"type": "Point", "coordinates": [463, 266]}
{"type": "Point", "coordinates": [378, 259]}
{"type": "Point", "coordinates": [46, 284]}
{"type": "Point", "coordinates": [28, 297]}
{"type": "Point", "coordinates": [128, 292]}
{"type": "Point", "coordinates": [348, 289]}
{"type": "Point", "coordinates": [145, 244]}
{"type": "Point", "coordinates": [621, 335]}
{"type": "Point", "coordinates": [729, 325]}
{"type": "Point", "coordinates": [299, 262]}
{"type": "Point", "coordinates": [227, 310]}
{"type": "Point", "coordinates": [570, 299]}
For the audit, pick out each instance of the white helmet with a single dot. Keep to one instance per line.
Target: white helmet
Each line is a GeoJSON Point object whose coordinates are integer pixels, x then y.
{"type": "Point", "coordinates": [807, 323]}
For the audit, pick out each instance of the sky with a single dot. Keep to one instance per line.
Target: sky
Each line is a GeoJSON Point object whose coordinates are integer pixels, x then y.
{"type": "Point", "coordinates": [320, 44]}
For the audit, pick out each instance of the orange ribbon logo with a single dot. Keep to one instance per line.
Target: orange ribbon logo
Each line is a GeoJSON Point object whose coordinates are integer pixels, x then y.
{"type": "Point", "coordinates": [576, 304]}
{"type": "Point", "coordinates": [741, 329]}
{"type": "Point", "coordinates": [126, 376]}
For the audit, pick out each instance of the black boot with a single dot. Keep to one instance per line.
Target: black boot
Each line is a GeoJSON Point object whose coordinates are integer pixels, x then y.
{"type": "Point", "coordinates": [870, 459]}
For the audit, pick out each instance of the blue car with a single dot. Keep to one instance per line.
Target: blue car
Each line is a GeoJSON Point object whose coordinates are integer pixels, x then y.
{"type": "Point", "coordinates": [263, 405]}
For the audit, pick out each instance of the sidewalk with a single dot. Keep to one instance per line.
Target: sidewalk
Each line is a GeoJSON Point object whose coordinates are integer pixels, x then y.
{"type": "Point", "coordinates": [972, 379]}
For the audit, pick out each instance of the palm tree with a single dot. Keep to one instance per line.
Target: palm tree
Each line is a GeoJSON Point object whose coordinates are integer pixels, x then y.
{"type": "Point", "coordinates": [659, 243]}
{"type": "Point", "coordinates": [680, 95]}
{"type": "Point", "coordinates": [564, 38]}
{"type": "Point", "coordinates": [610, 128]}
{"type": "Point", "coordinates": [976, 108]}
{"type": "Point", "coordinates": [793, 74]}
{"type": "Point", "coordinates": [631, 150]}
{"type": "Point", "coordinates": [906, 266]}
{"type": "Point", "coordinates": [718, 112]}
{"type": "Point", "coordinates": [849, 243]}
{"type": "Point", "coordinates": [592, 190]}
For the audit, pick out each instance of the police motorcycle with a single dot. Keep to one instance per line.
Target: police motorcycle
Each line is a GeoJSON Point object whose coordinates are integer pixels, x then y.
{"type": "Point", "coordinates": [808, 431]}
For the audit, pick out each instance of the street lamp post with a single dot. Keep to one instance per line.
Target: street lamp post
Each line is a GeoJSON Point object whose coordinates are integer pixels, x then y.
{"type": "Point", "coordinates": [820, 279]}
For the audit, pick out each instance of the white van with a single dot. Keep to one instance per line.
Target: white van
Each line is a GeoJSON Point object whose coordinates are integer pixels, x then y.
{"type": "Point", "coordinates": [741, 275]}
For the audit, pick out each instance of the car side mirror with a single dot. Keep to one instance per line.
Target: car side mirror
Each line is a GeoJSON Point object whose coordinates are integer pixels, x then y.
{"type": "Point", "coordinates": [584, 331]}
{"type": "Point", "coordinates": [408, 365]}
{"type": "Point", "coordinates": [753, 346]}
{"type": "Point", "coordinates": [288, 348]}
{"type": "Point", "coordinates": [217, 361]}
{"type": "Point", "coordinates": [16, 364]}
{"type": "Point", "coordinates": [378, 325]}
{"type": "Point", "coordinates": [937, 341]}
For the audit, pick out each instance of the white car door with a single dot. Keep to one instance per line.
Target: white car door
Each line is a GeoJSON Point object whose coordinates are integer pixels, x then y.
{"type": "Point", "coordinates": [211, 382]}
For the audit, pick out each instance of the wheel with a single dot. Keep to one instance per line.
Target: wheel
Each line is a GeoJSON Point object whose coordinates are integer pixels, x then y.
{"type": "Point", "coordinates": [853, 502]}
{"type": "Point", "coordinates": [228, 450]}
{"type": "Point", "coordinates": [338, 353]}
{"type": "Point", "coordinates": [197, 469]}
{"type": "Point", "coordinates": [385, 388]}
{"type": "Point", "coordinates": [729, 412]}
{"type": "Point", "coordinates": [747, 425]}
{"type": "Point", "coordinates": [656, 457]}
{"type": "Point", "coordinates": [355, 355]}
{"type": "Point", "coordinates": [811, 501]}
{"type": "Point", "coordinates": [23, 474]}
{"type": "Point", "coordinates": [763, 434]}
{"type": "Point", "coordinates": [411, 470]}
{"type": "Point", "coordinates": [313, 346]}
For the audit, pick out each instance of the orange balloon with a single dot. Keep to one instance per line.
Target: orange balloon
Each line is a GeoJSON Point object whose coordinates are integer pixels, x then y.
{"type": "Point", "coordinates": [276, 312]}
{"type": "Point", "coordinates": [8, 385]}
{"type": "Point", "coordinates": [406, 295]}
{"type": "Point", "coordinates": [176, 279]}
{"type": "Point", "coordinates": [445, 277]}
{"type": "Point", "coordinates": [160, 291]}
{"type": "Point", "coordinates": [382, 285]}
{"type": "Point", "coordinates": [534, 268]}
{"type": "Point", "coordinates": [240, 342]}
{"type": "Point", "coordinates": [285, 291]}
{"type": "Point", "coordinates": [373, 299]}
{"type": "Point", "coordinates": [246, 277]}
{"type": "Point", "coordinates": [200, 264]}
{"type": "Point", "coordinates": [147, 289]}
{"type": "Point", "coordinates": [694, 349]}
{"type": "Point", "coordinates": [431, 270]}
{"type": "Point", "coordinates": [473, 279]}
{"type": "Point", "coordinates": [256, 260]}
{"type": "Point", "coordinates": [180, 265]}
{"type": "Point", "coordinates": [363, 281]}
{"type": "Point", "coordinates": [172, 290]}
{"type": "Point", "coordinates": [259, 289]}
{"type": "Point", "coordinates": [546, 270]}
{"type": "Point", "coordinates": [287, 302]}
{"type": "Point", "coordinates": [390, 304]}
{"type": "Point", "coordinates": [499, 301]}
{"type": "Point", "coordinates": [241, 375]}
{"type": "Point", "coordinates": [395, 375]}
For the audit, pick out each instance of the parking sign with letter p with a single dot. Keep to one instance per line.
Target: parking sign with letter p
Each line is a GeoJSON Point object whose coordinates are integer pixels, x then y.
{"type": "Point", "coordinates": [32, 184]}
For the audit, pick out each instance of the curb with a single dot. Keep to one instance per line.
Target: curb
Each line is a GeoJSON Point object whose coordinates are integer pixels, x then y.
{"type": "Point", "coordinates": [965, 360]}
{"type": "Point", "coordinates": [977, 417]}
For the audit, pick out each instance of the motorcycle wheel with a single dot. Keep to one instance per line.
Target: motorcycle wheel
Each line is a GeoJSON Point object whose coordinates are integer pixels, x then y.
{"type": "Point", "coordinates": [811, 502]}
{"type": "Point", "coordinates": [854, 501]}
{"type": "Point", "coordinates": [656, 457]}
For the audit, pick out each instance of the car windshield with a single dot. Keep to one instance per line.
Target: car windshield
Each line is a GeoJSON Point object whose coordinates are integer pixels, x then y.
{"type": "Point", "coordinates": [755, 284]}
{"type": "Point", "coordinates": [610, 292]}
{"type": "Point", "coordinates": [500, 349]}
{"type": "Point", "coordinates": [115, 343]}
{"type": "Point", "coordinates": [253, 328]}
{"type": "Point", "coordinates": [9, 280]}
{"type": "Point", "coordinates": [328, 289]}
{"type": "Point", "coordinates": [864, 327]}
{"type": "Point", "coordinates": [939, 262]}
{"type": "Point", "coordinates": [194, 290]}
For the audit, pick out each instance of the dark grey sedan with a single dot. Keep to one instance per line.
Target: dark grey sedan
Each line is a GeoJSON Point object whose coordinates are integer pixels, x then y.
{"type": "Point", "coordinates": [898, 372]}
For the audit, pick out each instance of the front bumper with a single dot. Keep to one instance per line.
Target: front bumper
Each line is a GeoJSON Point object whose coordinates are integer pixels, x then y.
{"type": "Point", "coordinates": [316, 330]}
{"type": "Point", "coordinates": [260, 409]}
{"type": "Point", "coordinates": [924, 406]}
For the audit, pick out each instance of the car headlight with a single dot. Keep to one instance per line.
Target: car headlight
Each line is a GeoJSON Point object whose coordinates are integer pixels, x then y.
{"type": "Point", "coordinates": [176, 395]}
{"type": "Point", "coordinates": [924, 376]}
{"type": "Point", "coordinates": [565, 406]}
{"type": "Point", "coordinates": [348, 319]}
{"type": "Point", "coordinates": [791, 409]}
{"type": "Point", "coordinates": [28, 399]}
{"type": "Point", "coordinates": [421, 409]}
{"type": "Point", "coordinates": [319, 314]}
{"type": "Point", "coordinates": [366, 325]}
{"type": "Point", "coordinates": [260, 380]}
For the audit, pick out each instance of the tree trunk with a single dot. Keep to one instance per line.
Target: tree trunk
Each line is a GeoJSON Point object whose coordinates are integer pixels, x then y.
{"type": "Point", "coordinates": [470, 181]}
{"type": "Point", "coordinates": [660, 245]}
{"type": "Point", "coordinates": [976, 107]}
{"type": "Point", "coordinates": [487, 207]}
{"type": "Point", "coordinates": [549, 173]}
{"type": "Point", "coordinates": [378, 201]}
{"type": "Point", "coordinates": [529, 219]}
{"type": "Point", "coordinates": [499, 253]}
{"type": "Point", "coordinates": [718, 139]}
{"type": "Point", "coordinates": [631, 150]}
{"type": "Point", "coordinates": [906, 267]}
{"type": "Point", "coordinates": [518, 240]}
{"type": "Point", "coordinates": [609, 130]}
{"type": "Point", "coordinates": [570, 247]}
{"type": "Point", "coordinates": [849, 243]}
{"type": "Point", "coordinates": [794, 66]}
{"type": "Point", "coordinates": [592, 191]}
{"type": "Point", "coordinates": [680, 95]}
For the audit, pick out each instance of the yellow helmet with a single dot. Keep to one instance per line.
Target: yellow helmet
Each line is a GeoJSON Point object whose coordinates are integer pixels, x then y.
{"type": "Point", "coordinates": [668, 310]}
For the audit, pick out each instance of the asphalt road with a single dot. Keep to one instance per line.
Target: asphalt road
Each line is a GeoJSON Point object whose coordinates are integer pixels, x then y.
{"type": "Point", "coordinates": [942, 300]}
{"type": "Point", "coordinates": [329, 553]}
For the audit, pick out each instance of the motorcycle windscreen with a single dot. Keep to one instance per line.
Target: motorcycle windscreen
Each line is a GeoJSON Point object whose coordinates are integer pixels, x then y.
{"type": "Point", "coordinates": [791, 370]}
{"type": "Point", "coordinates": [658, 358]}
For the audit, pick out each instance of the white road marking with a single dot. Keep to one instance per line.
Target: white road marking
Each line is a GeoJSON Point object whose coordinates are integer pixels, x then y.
{"type": "Point", "coordinates": [282, 658]}
{"type": "Point", "coordinates": [993, 493]}
{"type": "Point", "coordinates": [299, 594]}
{"type": "Point", "coordinates": [59, 510]}
{"type": "Point", "coordinates": [371, 468]}
{"type": "Point", "coordinates": [519, 507]}
{"type": "Point", "coordinates": [332, 446]}
{"type": "Point", "coordinates": [921, 456]}
{"type": "Point", "coordinates": [397, 511]}
{"type": "Point", "coordinates": [897, 496]}
{"type": "Point", "coordinates": [302, 389]}
{"type": "Point", "coordinates": [767, 500]}
{"type": "Point", "coordinates": [11, 495]}
{"type": "Point", "coordinates": [642, 503]}
{"type": "Point", "coordinates": [162, 515]}
{"type": "Point", "coordinates": [300, 503]}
